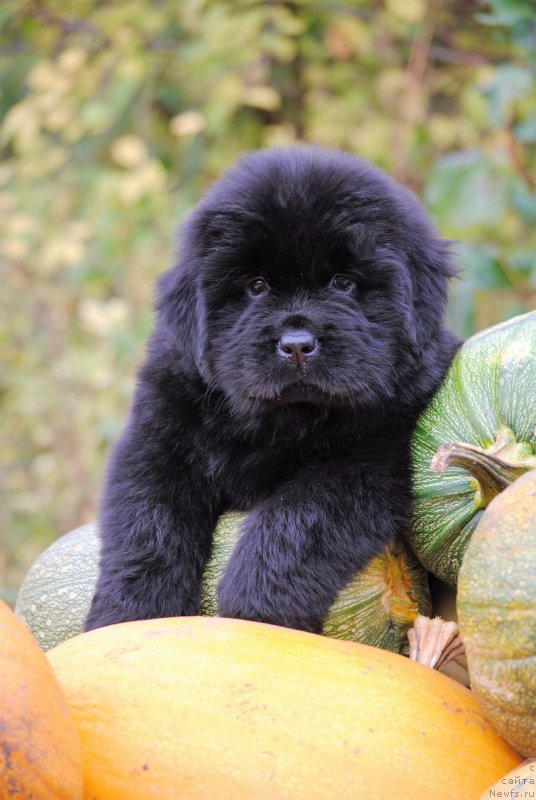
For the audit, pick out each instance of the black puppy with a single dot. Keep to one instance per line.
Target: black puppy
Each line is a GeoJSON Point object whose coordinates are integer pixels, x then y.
{"type": "Point", "coordinates": [297, 340]}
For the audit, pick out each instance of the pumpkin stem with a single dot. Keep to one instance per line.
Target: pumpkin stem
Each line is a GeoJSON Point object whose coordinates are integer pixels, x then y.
{"type": "Point", "coordinates": [434, 642]}
{"type": "Point", "coordinates": [494, 468]}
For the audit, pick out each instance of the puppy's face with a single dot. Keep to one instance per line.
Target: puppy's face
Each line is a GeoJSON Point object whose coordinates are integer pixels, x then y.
{"type": "Point", "coordinates": [302, 316]}
{"type": "Point", "coordinates": [304, 282]}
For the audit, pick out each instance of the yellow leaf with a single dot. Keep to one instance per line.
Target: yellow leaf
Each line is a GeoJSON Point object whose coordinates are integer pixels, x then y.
{"type": "Point", "coordinates": [391, 84]}
{"type": "Point", "coordinates": [58, 253]}
{"type": "Point", "coordinates": [46, 77]}
{"type": "Point", "coordinates": [20, 224]}
{"type": "Point", "coordinates": [58, 118]}
{"type": "Point", "coordinates": [21, 124]}
{"type": "Point", "coordinates": [338, 41]}
{"type": "Point", "coordinates": [103, 317]}
{"type": "Point", "coordinates": [148, 179]}
{"type": "Point", "coordinates": [278, 135]}
{"type": "Point", "coordinates": [187, 124]}
{"type": "Point", "coordinates": [372, 139]}
{"type": "Point", "coordinates": [129, 151]}
{"type": "Point", "coordinates": [14, 249]}
{"type": "Point", "coordinates": [407, 10]}
{"type": "Point", "coordinates": [346, 37]}
{"type": "Point", "coordinates": [264, 97]}
{"type": "Point", "coordinates": [72, 59]}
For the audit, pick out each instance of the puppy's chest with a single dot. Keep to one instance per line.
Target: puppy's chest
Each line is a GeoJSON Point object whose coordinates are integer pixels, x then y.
{"type": "Point", "coordinates": [245, 476]}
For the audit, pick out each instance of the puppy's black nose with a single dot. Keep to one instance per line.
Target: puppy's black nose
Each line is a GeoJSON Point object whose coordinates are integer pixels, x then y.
{"type": "Point", "coordinates": [297, 346]}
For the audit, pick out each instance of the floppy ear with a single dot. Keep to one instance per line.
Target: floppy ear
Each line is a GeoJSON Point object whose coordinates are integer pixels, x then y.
{"type": "Point", "coordinates": [406, 294]}
{"type": "Point", "coordinates": [180, 301]}
{"type": "Point", "coordinates": [425, 290]}
{"type": "Point", "coordinates": [181, 311]}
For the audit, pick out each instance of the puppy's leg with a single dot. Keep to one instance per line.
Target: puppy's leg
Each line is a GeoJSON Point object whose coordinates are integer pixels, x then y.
{"type": "Point", "coordinates": [302, 545]}
{"type": "Point", "coordinates": [157, 519]}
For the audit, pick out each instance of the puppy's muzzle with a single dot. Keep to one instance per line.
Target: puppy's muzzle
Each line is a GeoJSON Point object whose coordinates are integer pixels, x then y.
{"type": "Point", "coordinates": [297, 347]}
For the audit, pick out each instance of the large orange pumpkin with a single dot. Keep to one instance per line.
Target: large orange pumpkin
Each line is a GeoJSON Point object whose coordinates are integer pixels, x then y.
{"type": "Point", "coordinates": [40, 756]}
{"type": "Point", "coordinates": [215, 709]}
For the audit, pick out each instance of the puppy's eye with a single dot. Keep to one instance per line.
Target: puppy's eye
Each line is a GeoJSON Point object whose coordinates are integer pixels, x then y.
{"type": "Point", "coordinates": [342, 283]}
{"type": "Point", "coordinates": [258, 286]}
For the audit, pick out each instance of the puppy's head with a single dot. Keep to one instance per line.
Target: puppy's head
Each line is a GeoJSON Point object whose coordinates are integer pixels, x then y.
{"type": "Point", "coordinates": [308, 276]}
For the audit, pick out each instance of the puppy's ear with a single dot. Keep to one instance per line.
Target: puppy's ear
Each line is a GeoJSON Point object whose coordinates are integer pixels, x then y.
{"type": "Point", "coordinates": [406, 295]}
{"type": "Point", "coordinates": [181, 301]}
{"type": "Point", "coordinates": [181, 312]}
{"type": "Point", "coordinates": [426, 289]}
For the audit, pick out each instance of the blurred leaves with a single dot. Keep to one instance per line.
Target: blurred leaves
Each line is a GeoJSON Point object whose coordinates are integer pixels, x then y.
{"type": "Point", "coordinates": [115, 116]}
{"type": "Point", "coordinates": [465, 190]}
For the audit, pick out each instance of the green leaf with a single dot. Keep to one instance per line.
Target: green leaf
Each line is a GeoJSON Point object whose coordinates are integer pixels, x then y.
{"type": "Point", "coordinates": [524, 200]}
{"type": "Point", "coordinates": [526, 131]}
{"type": "Point", "coordinates": [466, 189]}
{"type": "Point", "coordinates": [507, 12]}
{"type": "Point", "coordinates": [480, 266]}
{"type": "Point", "coordinates": [509, 83]}
{"type": "Point", "coordinates": [524, 262]}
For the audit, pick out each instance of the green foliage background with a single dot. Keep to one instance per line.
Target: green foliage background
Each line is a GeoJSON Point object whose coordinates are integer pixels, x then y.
{"type": "Point", "coordinates": [116, 115]}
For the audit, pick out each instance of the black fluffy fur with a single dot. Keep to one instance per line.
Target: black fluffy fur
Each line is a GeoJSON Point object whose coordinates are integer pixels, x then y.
{"type": "Point", "coordinates": [319, 453]}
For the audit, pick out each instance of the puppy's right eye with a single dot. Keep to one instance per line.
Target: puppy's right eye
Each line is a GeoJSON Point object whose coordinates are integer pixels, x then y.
{"type": "Point", "coordinates": [342, 283]}
{"type": "Point", "coordinates": [258, 286]}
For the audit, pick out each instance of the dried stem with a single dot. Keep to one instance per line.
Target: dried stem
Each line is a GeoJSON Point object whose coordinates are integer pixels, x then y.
{"type": "Point", "coordinates": [434, 642]}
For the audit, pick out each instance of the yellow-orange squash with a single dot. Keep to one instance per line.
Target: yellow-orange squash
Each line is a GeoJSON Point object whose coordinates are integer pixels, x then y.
{"type": "Point", "coordinates": [196, 708]}
{"type": "Point", "coordinates": [40, 756]}
{"type": "Point", "coordinates": [497, 610]}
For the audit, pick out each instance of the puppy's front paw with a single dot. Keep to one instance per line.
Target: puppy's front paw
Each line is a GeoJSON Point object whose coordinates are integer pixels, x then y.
{"type": "Point", "coordinates": [247, 597]}
{"type": "Point", "coordinates": [102, 614]}
{"type": "Point", "coordinates": [236, 602]}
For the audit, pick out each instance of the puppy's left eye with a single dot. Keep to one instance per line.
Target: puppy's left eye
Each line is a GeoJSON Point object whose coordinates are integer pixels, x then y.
{"type": "Point", "coordinates": [342, 283]}
{"type": "Point", "coordinates": [258, 286]}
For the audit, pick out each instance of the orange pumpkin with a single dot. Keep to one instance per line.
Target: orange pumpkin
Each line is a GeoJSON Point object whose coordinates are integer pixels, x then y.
{"type": "Point", "coordinates": [40, 756]}
{"type": "Point", "coordinates": [215, 709]}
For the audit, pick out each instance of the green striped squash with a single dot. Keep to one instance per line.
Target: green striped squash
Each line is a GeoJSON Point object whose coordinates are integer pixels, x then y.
{"type": "Point", "coordinates": [477, 436]}
{"type": "Point", "coordinates": [377, 607]}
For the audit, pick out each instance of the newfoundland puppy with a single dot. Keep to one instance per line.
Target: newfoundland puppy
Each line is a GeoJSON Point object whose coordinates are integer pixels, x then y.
{"type": "Point", "coordinates": [297, 340]}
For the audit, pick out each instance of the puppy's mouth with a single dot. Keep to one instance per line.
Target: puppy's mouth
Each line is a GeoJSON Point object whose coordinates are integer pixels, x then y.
{"type": "Point", "coordinates": [309, 393]}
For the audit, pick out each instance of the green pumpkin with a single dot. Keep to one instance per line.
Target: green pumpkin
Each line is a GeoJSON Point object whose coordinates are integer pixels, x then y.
{"type": "Point", "coordinates": [377, 607]}
{"type": "Point", "coordinates": [497, 613]}
{"type": "Point", "coordinates": [477, 436]}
